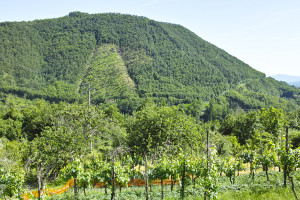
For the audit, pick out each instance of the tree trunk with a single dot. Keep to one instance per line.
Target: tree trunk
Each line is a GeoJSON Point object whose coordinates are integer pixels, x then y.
{"type": "Point", "coordinates": [75, 189]}
{"type": "Point", "coordinates": [133, 184]}
{"type": "Point", "coordinates": [94, 184]}
{"type": "Point", "coordinates": [252, 171]}
{"type": "Point", "coordinates": [171, 183]}
{"type": "Point", "coordinates": [38, 172]}
{"type": "Point", "coordinates": [293, 188]}
{"type": "Point", "coordinates": [162, 188]}
{"type": "Point", "coordinates": [267, 173]}
{"type": "Point", "coordinates": [233, 177]}
{"type": "Point", "coordinates": [193, 181]}
{"type": "Point", "coordinates": [84, 190]}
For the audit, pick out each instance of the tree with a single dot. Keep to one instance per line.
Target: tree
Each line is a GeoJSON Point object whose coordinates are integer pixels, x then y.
{"type": "Point", "coordinates": [154, 126]}
{"type": "Point", "coordinates": [245, 126]}
{"type": "Point", "coordinates": [228, 125]}
{"type": "Point", "coordinates": [11, 124]}
{"type": "Point", "coordinates": [241, 125]}
{"type": "Point", "coordinates": [60, 143]}
{"type": "Point", "coordinates": [272, 120]}
{"type": "Point", "coordinates": [217, 109]}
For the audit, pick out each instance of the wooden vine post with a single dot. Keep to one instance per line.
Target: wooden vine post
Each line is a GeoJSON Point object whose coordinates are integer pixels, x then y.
{"type": "Point", "coordinates": [207, 157]}
{"type": "Point", "coordinates": [183, 180]}
{"type": "Point", "coordinates": [113, 178]}
{"type": "Point", "coordinates": [146, 177]}
{"type": "Point", "coordinates": [285, 172]}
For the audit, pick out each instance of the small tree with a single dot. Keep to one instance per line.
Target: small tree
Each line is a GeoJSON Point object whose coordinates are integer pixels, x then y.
{"type": "Point", "coordinates": [74, 170]}
{"type": "Point", "coordinates": [173, 166]}
{"type": "Point", "coordinates": [161, 172]}
{"type": "Point", "coordinates": [272, 120]}
{"type": "Point", "coordinates": [84, 180]}
{"type": "Point", "coordinates": [220, 164]}
{"type": "Point", "coordinates": [230, 168]}
{"type": "Point", "coordinates": [209, 181]}
{"type": "Point", "coordinates": [101, 172]}
{"type": "Point", "coordinates": [122, 175]}
{"type": "Point", "coordinates": [267, 160]}
{"type": "Point", "coordinates": [290, 158]}
{"type": "Point", "coordinates": [11, 183]}
{"type": "Point", "coordinates": [250, 157]}
{"type": "Point", "coordinates": [196, 166]}
{"type": "Point", "coordinates": [113, 153]}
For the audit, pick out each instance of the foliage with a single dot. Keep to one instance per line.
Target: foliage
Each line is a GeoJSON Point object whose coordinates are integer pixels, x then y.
{"type": "Point", "coordinates": [74, 170]}
{"type": "Point", "coordinates": [11, 183]}
{"type": "Point", "coordinates": [272, 120]}
{"type": "Point", "coordinates": [128, 58]}
{"type": "Point", "coordinates": [101, 171]}
{"type": "Point", "coordinates": [290, 158]}
{"type": "Point", "coordinates": [154, 126]}
{"type": "Point", "coordinates": [156, 89]}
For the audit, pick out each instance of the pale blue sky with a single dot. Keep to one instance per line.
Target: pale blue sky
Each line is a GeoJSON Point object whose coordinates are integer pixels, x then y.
{"type": "Point", "coordinates": [263, 33]}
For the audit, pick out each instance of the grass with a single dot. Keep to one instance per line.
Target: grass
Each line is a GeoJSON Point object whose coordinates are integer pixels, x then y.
{"type": "Point", "coordinates": [270, 194]}
{"type": "Point", "coordinates": [138, 193]}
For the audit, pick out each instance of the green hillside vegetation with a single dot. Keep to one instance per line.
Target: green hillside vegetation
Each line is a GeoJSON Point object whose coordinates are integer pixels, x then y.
{"type": "Point", "coordinates": [108, 75]}
{"type": "Point", "coordinates": [128, 58]}
{"type": "Point", "coordinates": [44, 143]}
{"type": "Point", "coordinates": [161, 98]}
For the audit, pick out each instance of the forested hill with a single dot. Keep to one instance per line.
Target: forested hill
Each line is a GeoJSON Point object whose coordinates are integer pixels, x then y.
{"type": "Point", "coordinates": [127, 58]}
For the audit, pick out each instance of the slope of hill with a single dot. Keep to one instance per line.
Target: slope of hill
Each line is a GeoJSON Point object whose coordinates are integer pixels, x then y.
{"type": "Point", "coordinates": [291, 80]}
{"type": "Point", "coordinates": [127, 58]}
{"type": "Point", "coordinates": [297, 84]}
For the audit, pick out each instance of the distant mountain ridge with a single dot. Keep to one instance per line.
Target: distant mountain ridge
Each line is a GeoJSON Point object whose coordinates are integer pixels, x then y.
{"type": "Point", "coordinates": [128, 59]}
{"type": "Point", "coordinates": [291, 80]}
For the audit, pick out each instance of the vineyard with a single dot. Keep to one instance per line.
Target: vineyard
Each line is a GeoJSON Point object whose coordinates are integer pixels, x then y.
{"type": "Point", "coordinates": [208, 175]}
{"type": "Point", "coordinates": [70, 184]}
{"type": "Point", "coordinates": [117, 106]}
{"type": "Point", "coordinates": [159, 152]}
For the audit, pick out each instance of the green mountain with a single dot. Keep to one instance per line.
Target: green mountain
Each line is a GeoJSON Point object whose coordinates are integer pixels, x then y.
{"type": "Point", "coordinates": [126, 59]}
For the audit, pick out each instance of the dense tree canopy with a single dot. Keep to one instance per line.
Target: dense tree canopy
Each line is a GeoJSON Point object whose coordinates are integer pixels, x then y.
{"type": "Point", "coordinates": [95, 95]}
{"type": "Point", "coordinates": [165, 127]}
{"type": "Point", "coordinates": [127, 58]}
